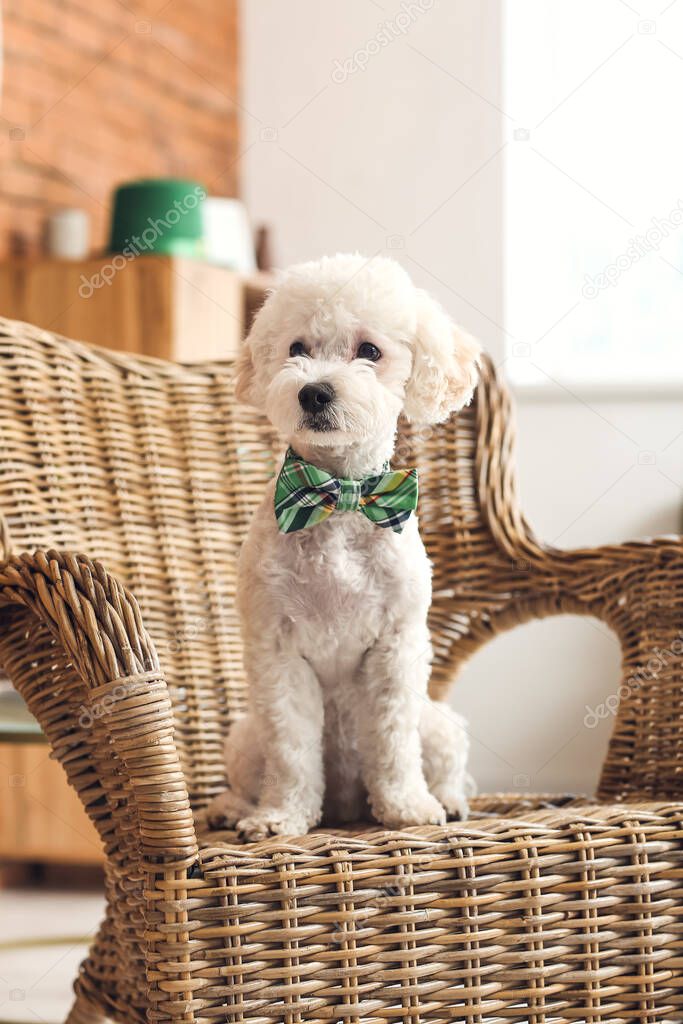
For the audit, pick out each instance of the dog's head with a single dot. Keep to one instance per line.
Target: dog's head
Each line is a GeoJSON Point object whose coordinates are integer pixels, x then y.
{"type": "Point", "coordinates": [344, 345]}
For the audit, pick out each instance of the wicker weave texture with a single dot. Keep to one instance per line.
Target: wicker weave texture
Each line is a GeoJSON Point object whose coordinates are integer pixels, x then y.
{"type": "Point", "coordinates": [535, 910]}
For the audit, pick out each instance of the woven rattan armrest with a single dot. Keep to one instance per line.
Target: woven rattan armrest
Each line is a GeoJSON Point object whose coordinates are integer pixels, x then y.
{"type": "Point", "coordinates": [75, 646]}
{"type": "Point", "coordinates": [636, 588]}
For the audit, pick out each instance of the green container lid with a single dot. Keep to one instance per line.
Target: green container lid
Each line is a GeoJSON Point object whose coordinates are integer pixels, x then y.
{"type": "Point", "coordinates": [162, 215]}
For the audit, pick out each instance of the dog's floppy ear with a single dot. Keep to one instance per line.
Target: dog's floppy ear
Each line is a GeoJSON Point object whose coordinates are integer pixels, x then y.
{"type": "Point", "coordinates": [250, 365]}
{"type": "Point", "coordinates": [445, 361]}
{"type": "Point", "coordinates": [245, 374]}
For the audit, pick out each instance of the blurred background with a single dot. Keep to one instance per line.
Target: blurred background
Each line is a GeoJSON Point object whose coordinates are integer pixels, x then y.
{"type": "Point", "coordinates": [521, 158]}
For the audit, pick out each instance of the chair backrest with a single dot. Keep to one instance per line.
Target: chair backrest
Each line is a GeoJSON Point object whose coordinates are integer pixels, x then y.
{"type": "Point", "coordinates": [154, 470]}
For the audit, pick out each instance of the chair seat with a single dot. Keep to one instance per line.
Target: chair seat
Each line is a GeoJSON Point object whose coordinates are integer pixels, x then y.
{"type": "Point", "coordinates": [482, 807]}
{"type": "Point", "coordinates": [533, 905]}
{"type": "Point", "coordinates": [494, 814]}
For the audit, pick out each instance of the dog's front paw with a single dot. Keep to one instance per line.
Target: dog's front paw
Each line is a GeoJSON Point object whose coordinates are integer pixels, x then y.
{"type": "Point", "coordinates": [414, 807]}
{"type": "Point", "coordinates": [453, 799]}
{"type": "Point", "coordinates": [271, 822]}
{"type": "Point", "coordinates": [226, 809]}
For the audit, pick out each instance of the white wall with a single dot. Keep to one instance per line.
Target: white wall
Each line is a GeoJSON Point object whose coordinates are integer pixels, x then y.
{"type": "Point", "coordinates": [594, 217]}
{"type": "Point", "coordinates": [410, 147]}
{"type": "Point", "coordinates": [398, 149]}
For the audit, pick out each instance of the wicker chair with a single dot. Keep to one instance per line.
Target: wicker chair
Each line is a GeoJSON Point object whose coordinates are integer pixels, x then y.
{"type": "Point", "coordinates": [535, 910]}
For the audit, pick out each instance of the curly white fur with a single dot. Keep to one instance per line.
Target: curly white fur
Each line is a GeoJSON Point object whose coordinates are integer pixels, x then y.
{"type": "Point", "coordinates": [334, 617]}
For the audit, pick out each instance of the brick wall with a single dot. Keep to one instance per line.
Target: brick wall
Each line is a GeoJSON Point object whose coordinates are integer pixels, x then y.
{"type": "Point", "coordinates": [100, 91]}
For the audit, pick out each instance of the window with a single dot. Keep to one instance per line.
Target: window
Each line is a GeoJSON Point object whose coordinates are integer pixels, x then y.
{"type": "Point", "coordinates": [594, 191]}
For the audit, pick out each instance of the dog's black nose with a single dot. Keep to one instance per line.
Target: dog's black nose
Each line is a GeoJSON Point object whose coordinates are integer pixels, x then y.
{"type": "Point", "coordinates": [314, 397]}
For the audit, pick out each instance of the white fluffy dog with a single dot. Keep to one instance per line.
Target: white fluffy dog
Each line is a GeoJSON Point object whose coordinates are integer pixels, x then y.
{"type": "Point", "coordinates": [334, 616]}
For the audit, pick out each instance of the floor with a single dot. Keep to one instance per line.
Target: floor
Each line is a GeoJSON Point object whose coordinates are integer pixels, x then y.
{"type": "Point", "coordinates": [35, 980]}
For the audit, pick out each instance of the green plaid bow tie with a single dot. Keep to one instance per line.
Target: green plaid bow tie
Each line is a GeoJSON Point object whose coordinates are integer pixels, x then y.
{"type": "Point", "coordinates": [306, 495]}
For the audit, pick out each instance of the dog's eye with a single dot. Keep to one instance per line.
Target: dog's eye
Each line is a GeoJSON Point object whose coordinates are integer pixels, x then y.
{"type": "Point", "coordinates": [297, 348]}
{"type": "Point", "coordinates": [366, 350]}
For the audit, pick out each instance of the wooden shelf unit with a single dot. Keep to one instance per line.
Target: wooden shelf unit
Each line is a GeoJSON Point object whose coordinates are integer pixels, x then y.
{"type": "Point", "coordinates": [178, 309]}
